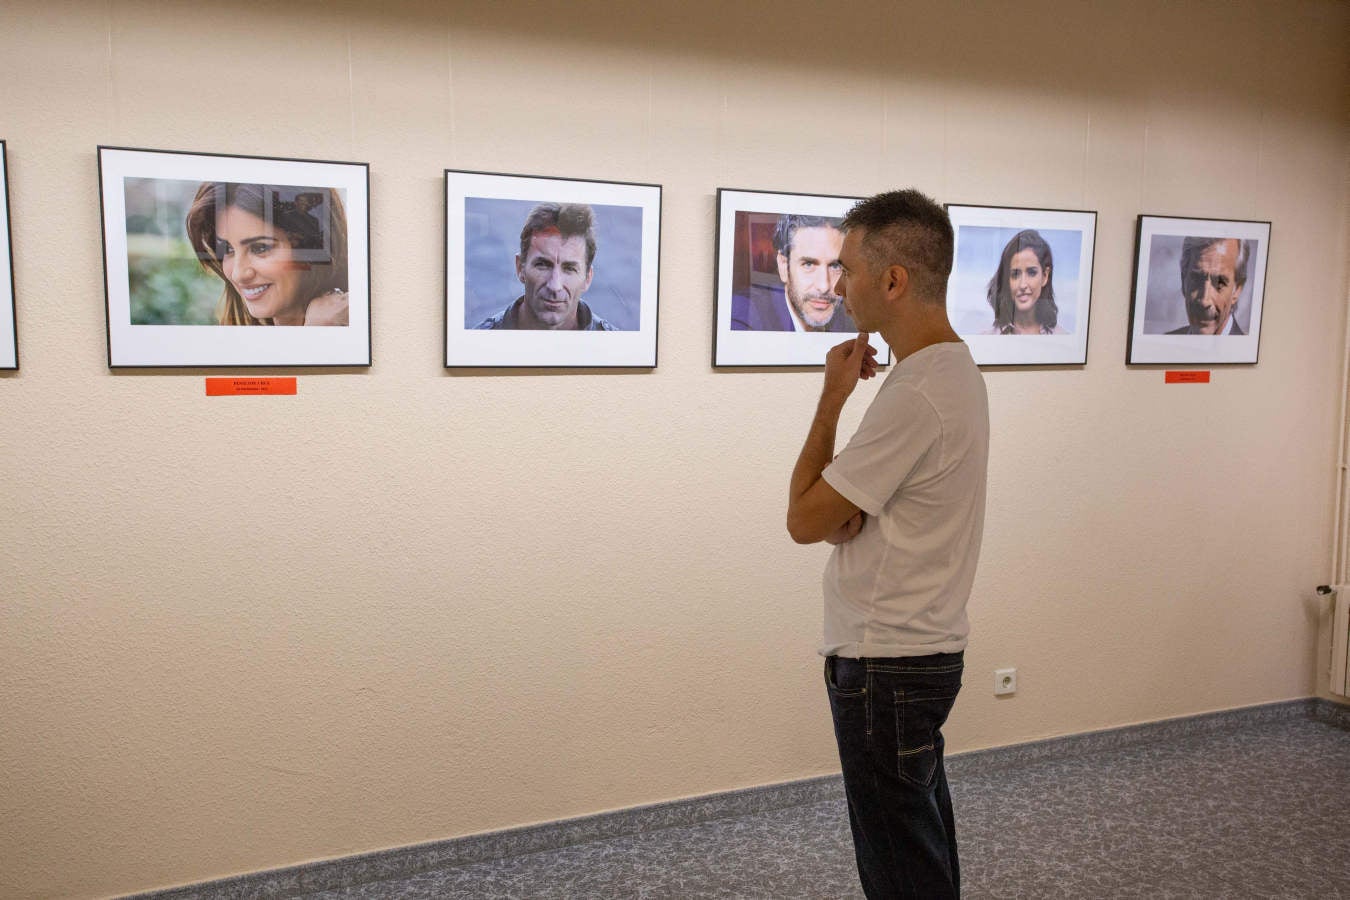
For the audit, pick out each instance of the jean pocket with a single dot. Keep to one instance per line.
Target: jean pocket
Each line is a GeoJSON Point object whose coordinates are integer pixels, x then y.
{"type": "Point", "coordinates": [919, 716]}
{"type": "Point", "coordinates": [845, 677]}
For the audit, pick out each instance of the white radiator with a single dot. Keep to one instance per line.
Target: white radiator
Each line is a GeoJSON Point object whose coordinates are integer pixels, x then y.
{"type": "Point", "coordinates": [1340, 642]}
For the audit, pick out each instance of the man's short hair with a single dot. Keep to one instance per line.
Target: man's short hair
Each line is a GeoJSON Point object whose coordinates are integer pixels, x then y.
{"type": "Point", "coordinates": [1193, 247]}
{"type": "Point", "coordinates": [568, 219]}
{"type": "Point", "coordinates": [787, 227]}
{"type": "Point", "coordinates": [907, 228]}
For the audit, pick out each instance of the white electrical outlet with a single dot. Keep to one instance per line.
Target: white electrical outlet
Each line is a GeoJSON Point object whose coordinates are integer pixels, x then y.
{"type": "Point", "coordinates": [1005, 682]}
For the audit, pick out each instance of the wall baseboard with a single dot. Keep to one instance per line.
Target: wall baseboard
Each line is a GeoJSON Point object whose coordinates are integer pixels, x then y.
{"type": "Point", "coordinates": [978, 761]}
{"type": "Point", "coordinates": [404, 862]}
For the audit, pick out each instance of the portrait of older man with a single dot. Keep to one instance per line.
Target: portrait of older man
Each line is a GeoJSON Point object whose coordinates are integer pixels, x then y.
{"type": "Point", "coordinates": [1213, 274]}
{"type": "Point", "coordinates": [807, 252]}
{"type": "Point", "coordinates": [555, 266]}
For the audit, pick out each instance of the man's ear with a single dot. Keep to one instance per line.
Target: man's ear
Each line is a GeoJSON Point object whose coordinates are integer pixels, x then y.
{"type": "Point", "coordinates": [897, 280]}
{"type": "Point", "coordinates": [590, 273]}
{"type": "Point", "coordinates": [520, 274]}
{"type": "Point", "coordinates": [782, 268]}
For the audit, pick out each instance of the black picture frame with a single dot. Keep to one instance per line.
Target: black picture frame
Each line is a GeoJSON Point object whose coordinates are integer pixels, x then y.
{"type": "Point", "coordinates": [771, 309]}
{"type": "Point", "coordinates": [1172, 324]}
{"type": "Point", "coordinates": [982, 302]}
{"type": "Point", "coordinates": [612, 300]}
{"type": "Point", "coordinates": [160, 289]}
{"type": "Point", "coordinates": [9, 332]}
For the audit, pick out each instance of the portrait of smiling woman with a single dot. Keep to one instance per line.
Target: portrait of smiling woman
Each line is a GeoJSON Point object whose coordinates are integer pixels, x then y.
{"type": "Point", "coordinates": [282, 264]}
{"type": "Point", "coordinates": [197, 243]}
{"type": "Point", "coordinates": [1041, 287]}
{"type": "Point", "coordinates": [1022, 291]}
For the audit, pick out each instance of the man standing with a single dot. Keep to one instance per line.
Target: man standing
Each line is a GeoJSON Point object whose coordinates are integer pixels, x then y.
{"type": "Point", "coordinates": [903, 503]}
{"type": "Point", "coordinates": [808, 265]}
{"type": "Point", "coordinates": [555, 264]}
{"type": "Point", "coordinates": [1213, 274]}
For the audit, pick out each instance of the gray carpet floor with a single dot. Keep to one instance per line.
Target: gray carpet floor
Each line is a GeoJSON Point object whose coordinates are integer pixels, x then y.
{"type": "Point", "coordinates": [1259, 812]}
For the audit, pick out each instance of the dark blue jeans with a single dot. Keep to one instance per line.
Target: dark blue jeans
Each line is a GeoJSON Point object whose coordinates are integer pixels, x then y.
{"type": "Point", "coordinates": [888, 716]}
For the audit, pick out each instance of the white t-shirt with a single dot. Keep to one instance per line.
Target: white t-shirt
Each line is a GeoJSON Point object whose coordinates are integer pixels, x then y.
{"type": "Point", "coordinates": [917, 466]}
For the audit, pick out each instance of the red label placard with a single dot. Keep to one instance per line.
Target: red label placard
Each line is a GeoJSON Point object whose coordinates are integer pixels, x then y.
{"type": "Point", "coordinates": [237, 387]}
{"type": "Point", "coordinates": [1187, 378]}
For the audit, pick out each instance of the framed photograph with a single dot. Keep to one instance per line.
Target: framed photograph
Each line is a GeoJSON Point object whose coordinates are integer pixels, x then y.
{"type": "Point", "coordinates": [550, 272]}
{"type": "Point", "coordinates": [777, 266]}
{"type": "Point", "coordinates": [1199, 285]}
{"type": "Point", "coordinates": [9, 344]}
{"type": "Point", "coordinates": [197, 245]}
{"type": "Point", "coordinates": [1021, 284]}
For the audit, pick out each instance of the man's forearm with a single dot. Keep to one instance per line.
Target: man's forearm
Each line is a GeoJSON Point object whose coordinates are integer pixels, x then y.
{"type": "Point", "coordinates": [819, 447]}
{"type": "Point", "coordinates": [815, 509]}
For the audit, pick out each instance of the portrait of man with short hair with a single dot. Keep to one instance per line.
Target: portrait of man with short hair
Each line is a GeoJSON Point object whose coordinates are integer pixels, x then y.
{"type": "Point", "coordinates": [1197, 285]}
{"type": "Point", "coordinates": [1213, 274]}
{"type": "Point", "coordinates": [550, 266]}
{"type": "Point", "coordinates": [777, 301]}
{"type": "Point", "coordinates": [1199, 290]}
{"type": "Point", "coordinates": [555, 265]}
{"type": "Point", "coordinates": [550, 272]}
{"type": "Point", "coordinates": [791, 288]}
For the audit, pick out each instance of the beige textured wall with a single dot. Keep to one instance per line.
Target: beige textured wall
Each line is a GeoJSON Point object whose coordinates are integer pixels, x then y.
{"type": "Point", "coordinates": [407, 605]}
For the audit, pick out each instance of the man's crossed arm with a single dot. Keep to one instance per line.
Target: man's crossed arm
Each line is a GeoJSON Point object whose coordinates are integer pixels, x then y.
{"type": "Point", "coordinates": [816, 511]}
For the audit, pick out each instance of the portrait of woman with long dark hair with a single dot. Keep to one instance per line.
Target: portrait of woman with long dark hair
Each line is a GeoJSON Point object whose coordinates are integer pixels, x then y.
{"type": "Point", "coordinates": [1022, 291]}
{"type": "Point", "coordinates": [282, 264]}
